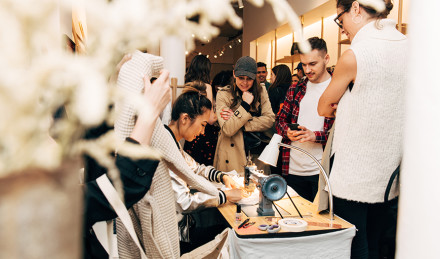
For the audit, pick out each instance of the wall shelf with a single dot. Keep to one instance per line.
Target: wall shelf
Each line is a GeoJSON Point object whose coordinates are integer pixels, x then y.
{"type": "Point", "coordinates": [346, 41]}
{"type": "Point", "coordinates": [289, 59]}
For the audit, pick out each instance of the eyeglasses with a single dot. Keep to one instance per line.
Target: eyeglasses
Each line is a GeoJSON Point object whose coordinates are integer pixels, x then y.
{"type": "Point", "coordinates": [337, 21]}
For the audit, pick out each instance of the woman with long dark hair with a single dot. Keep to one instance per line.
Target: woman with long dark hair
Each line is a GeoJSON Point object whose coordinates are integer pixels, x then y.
{"type": "Point", "coordinates": [202, 148]}
{"type": "Point", "coordinates": [281, 80]}
{"type": "Point", "coordinates": [243, 106]}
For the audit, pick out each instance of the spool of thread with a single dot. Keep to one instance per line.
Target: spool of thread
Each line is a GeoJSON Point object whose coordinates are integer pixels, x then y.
{"type": "Point", "coordinates": [293, 225]}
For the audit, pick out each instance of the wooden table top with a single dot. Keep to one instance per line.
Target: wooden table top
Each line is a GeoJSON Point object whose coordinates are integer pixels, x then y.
{"type": "Point", "coordinates": [316, 222]}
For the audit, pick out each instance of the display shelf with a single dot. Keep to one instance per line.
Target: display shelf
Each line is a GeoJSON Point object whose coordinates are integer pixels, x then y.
{"type": "Point", "coordinates": [289, 59]}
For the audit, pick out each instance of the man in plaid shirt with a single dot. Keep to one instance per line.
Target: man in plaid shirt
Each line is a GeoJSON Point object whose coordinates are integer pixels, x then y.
{"type": "Point", "coordinates": [299, 170]}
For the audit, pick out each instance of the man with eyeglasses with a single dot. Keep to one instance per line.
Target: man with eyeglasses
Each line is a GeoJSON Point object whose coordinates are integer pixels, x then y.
{"type": "Point", "coordinates": [262, 74]}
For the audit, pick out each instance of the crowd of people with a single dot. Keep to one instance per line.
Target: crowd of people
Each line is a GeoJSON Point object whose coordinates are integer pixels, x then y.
{"type": "Point", "coordinates": [361, 103]}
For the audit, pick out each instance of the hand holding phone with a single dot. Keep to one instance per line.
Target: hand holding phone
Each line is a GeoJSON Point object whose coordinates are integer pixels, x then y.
{"type": "Point", "coordinates": [293, 126]}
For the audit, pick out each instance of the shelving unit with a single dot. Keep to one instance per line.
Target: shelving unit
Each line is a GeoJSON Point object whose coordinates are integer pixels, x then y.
{"type": "Point", "coordinates": [289, 59]}
{"type": "Point", "coordinates": [273, 48]}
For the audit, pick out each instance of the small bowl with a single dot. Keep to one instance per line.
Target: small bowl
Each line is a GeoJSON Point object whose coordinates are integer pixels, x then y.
{"type": "Point", "coordinates": [273, 228]}
{"type": "Point", "coordinates": [263, 227]}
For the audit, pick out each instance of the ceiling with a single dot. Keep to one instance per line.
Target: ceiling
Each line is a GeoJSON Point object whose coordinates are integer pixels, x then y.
{"type": "Point", "coordinates": [227, 34]}
{"type": "Point", "coordinates": [226, 30]}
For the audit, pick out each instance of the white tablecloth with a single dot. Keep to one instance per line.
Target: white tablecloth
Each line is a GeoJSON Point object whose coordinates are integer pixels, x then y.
{"type": "Point", "coordinates": [335, 245]}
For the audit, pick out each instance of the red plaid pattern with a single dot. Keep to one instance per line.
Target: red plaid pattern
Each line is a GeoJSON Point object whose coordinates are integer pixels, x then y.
{"type": "Point", "coordinates": [289, 114]}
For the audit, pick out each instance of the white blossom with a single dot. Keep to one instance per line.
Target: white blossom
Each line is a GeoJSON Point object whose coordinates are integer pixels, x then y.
{"type": "Point", "coordinates": [378, 5]}
{"type": "Point", "coordinates": [38, 75]}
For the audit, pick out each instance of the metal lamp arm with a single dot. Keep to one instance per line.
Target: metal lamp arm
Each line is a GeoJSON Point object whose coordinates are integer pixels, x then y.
{"type": "Point", "coordinates": [323, 173]}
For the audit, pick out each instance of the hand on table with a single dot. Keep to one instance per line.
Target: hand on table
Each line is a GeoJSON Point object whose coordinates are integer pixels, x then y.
{"type": "Point", "coordinates": [233, 195]}
{"type": "Point", "coordinates": [229, 182]}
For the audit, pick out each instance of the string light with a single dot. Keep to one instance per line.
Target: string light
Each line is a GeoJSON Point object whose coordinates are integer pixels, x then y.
{"type": "Point", "coordinates": [229, 45]}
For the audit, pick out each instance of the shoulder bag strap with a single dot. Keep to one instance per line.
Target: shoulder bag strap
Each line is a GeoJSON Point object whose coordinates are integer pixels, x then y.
{"type": "Point", "coordinates": [390, 183]}
{"type": "Point", "coordinates": [120, 209]}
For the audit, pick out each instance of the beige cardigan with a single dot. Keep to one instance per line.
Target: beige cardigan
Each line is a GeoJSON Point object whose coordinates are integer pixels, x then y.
{"type": "Point", "coordinates": [230, 153]}
{"type": "Point", "coordinates": [154, 217]}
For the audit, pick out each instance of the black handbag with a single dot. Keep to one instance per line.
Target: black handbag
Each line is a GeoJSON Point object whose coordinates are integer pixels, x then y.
{"type": "Point", "coordinates": [251, 140]}
{"type": "Point", "coordinates": [255, 142]}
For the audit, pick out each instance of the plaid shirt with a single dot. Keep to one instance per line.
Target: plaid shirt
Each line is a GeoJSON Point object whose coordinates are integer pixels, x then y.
{"type": "Point", "coordinates": [289, 114]}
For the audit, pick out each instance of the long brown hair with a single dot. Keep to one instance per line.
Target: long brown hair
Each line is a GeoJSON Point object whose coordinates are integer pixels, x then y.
{"type": "Point", "coordinates": [282, 76]}
{"type": "Point", "coordinates": [199, 70]}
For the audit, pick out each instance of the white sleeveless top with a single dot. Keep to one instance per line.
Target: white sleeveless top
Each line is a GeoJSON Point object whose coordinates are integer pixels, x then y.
{"type": "Point", "coordinates": [369, 122]}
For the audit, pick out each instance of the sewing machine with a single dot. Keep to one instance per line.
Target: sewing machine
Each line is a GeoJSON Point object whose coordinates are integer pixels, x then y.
{"type": "Point", "coordinates": [271, 188]}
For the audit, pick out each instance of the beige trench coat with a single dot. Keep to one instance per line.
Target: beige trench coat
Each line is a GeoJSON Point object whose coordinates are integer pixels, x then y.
{"type": "Point", "coordinates": [230, 153]}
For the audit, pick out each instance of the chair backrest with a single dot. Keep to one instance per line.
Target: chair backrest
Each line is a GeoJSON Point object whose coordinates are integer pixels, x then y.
{"type": "Point", "coordinates": [174, 88]}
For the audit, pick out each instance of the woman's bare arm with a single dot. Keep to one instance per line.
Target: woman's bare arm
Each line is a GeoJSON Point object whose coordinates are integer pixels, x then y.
{"type": "Point", "coordinates": [345, 73]}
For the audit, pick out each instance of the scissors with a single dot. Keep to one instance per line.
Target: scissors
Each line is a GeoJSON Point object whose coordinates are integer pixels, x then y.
{"type": "Point", "coordinates": [248, 224]}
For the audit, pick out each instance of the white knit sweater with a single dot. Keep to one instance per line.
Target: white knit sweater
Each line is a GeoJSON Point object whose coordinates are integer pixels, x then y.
{"type": "Point", "coordinates": [369, 120]}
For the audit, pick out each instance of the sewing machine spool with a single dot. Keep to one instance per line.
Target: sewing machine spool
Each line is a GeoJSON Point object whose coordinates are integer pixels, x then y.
{"type": "Point", "coordinates": [273, 188]}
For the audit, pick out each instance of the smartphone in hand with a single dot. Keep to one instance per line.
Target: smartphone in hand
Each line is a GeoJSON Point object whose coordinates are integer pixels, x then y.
{"type": "Point", "coordinates": [293, 126]}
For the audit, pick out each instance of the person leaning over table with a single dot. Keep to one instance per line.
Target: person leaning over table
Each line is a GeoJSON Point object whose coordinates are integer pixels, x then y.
{"type": "Point", "coordinates": [368, 134]}
{"type": "Point", "coordinates": [242, 106]}
{"type": "Point", "coordinates": [201, 148]}
{"type": "Point", "coordinates": [189, 117]}
{"type": "Point", "coordinates": [136, 175]}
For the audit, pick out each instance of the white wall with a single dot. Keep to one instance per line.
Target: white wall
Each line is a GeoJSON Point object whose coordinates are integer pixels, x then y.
{"type": "Point", "coordinates": [418, 228]}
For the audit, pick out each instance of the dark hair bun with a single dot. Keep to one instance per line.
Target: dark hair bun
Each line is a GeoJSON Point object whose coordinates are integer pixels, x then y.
{"type": "Point", "coordinates": [388, 7]}
{"type": "Point", "coordinates": [196, 87]}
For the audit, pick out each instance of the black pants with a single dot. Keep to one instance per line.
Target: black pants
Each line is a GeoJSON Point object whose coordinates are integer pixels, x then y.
{"type": "Point", "coordinates": [305, 186]}
{"type": "Point", "coordinates": [375, 224]}
{"type": "Point", "coordinates": [209, 223]}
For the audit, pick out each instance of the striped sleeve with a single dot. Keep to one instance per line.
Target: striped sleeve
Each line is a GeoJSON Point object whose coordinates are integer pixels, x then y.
{"type": "Point", "coordinates": [222, 198]}
{"type": "Point", "coordinates": [215, 175]}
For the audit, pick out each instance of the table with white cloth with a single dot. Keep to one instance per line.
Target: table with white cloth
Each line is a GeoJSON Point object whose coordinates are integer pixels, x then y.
{"type": "Point", "coordinates": [323, 238]}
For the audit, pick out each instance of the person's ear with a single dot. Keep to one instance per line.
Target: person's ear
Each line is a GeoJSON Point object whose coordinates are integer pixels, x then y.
{"type": "Point", "coordinates": [184, 118]}
{"type": "Point", "coordinates": [326, 59]}
{"type": "Point", "coordinates": [355, 7]}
